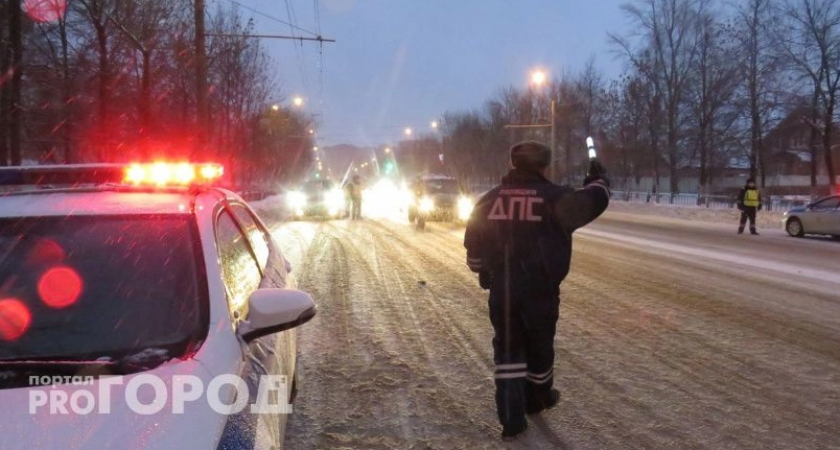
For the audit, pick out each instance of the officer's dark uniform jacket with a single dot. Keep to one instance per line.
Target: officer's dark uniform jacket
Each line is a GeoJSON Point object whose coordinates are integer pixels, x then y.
{"type": "Point", "coordinates": [519, 236]}
{"type": "Point", "coordinates": [529, 221]}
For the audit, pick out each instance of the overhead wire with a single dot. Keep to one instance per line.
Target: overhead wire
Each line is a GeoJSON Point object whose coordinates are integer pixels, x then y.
{"type": "Point", "coordinates": [298, 51]}
{"type": "Point", "coordinates": [260, 13]}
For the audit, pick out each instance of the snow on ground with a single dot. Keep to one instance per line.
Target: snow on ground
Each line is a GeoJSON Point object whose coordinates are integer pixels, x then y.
{"type": "Point", "coordinates": [764, 219]}
{"type": "Point", "coordinates": [658, 346]}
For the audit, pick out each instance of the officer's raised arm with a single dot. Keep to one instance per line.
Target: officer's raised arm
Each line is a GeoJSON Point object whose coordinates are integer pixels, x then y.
{"type": "Point", "coordinates": [580, 207]}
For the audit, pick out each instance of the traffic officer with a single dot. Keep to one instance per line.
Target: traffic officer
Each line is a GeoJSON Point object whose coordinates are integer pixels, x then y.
{"type": "Point", "coordinates": [519, 240]}
{"type": "Point", "coordinates": [354, 197]}
{"type": "Point", "coordinates": [749, 202]}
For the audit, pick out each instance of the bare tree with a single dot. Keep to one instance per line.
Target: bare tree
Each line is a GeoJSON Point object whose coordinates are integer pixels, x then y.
{"type": "Point", "coordinates": [668, 49]}
{"type": "Point", "coordinates": [760, 70]}
{"type": "Point", "coordinates": [710, 95]}
{"type": "Point", "coordinates": [811, 42]}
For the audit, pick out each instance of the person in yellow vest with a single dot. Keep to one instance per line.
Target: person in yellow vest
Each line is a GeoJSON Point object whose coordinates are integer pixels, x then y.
{"type": "Point", "coordinates": [749, 202]}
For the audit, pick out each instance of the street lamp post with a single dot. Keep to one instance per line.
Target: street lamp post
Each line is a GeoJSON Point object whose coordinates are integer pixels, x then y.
{"type": "Point", "coordinates": [539, 78]}
{"type": "Point", "coordinates": [553, 166]}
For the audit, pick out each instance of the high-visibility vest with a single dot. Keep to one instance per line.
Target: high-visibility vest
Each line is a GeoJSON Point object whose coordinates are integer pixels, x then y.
{"type": "Point", "coordinates": [751, 198]}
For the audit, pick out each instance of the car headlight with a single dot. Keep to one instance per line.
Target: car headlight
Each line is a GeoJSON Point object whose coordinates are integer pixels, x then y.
{"type": "Point", "coordinates": [426, 204]}
{"type": "Point", "coordinates": [334, 201]}
{"type": "Point", "coordinates": [297, 200]}
{"type": "Point", "coordinates": [465, 208]}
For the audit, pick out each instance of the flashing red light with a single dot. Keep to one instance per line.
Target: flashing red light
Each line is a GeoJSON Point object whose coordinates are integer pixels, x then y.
{"type": "Point", "coordinates": [172, 174]}
{"type": "Point", "coordinates": [46, 252]}
{"type": "Point", "coordinates": [45, 10]}
{"type": "Point", "coordinates": [15, 319]}
{"type": "Point", "coordinates": [60, 287]}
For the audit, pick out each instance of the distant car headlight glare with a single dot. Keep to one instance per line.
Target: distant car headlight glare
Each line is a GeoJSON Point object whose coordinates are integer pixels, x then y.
{"type": "Point", "coordinates": [297, 200]}
{"type": "Point", "coordinates": [334, 200]}
{"type": "Point", "coordinates": [465, 208]}
{"type": "Point", "coordinates": [426, 205]}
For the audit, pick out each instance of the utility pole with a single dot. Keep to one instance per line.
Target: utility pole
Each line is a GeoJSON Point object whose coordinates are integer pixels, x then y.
{"type": "Point", "coordinates": [200, 78]}
{"type": "Point", "coordinates": [15, 119]}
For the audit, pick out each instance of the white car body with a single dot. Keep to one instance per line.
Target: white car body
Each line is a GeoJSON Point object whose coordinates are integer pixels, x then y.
{"type": "Point", "coordinates": [819, 217]}
{"type": "Point", "coordinates": [223, 352]}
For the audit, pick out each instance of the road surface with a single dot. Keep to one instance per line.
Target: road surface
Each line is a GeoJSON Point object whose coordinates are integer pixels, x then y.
{"type": "Point", "coordinates": [672, 334]}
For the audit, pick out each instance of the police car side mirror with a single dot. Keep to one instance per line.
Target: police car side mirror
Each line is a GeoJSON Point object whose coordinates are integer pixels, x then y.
{"type": "Point", "coordinates": [274, 310]}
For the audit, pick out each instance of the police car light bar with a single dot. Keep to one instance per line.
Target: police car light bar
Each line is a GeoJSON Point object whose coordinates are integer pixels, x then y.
{"type": "Point", "coordinates": [172, 174]}
{"type": "Point", "coordinates": [155, 174]}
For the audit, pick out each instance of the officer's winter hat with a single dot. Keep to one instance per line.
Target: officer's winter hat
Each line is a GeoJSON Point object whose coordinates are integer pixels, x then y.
{"type": "Point", "coordinates": [530, 155]}
{"type": "Point", "coordinates": [750, 180]}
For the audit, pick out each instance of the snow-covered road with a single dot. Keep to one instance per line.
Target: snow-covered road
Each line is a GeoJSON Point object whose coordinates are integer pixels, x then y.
{"type": "Point", "coordinates": [672, 335]}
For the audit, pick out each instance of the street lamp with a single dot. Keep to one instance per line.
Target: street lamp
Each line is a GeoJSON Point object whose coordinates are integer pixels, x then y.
{"type": "Point", "coordinates": [538, 79]}
{"type": "Point", "coordinates": [275, 107]}
{"type": "Point", "coordinates": [435, 124]}
{"type": "Point", "coordinates": [298, 101]}
{"type": "Point", "coordinates": [387, 149]}
{"type": "Point", "coordinates": [408, 131]}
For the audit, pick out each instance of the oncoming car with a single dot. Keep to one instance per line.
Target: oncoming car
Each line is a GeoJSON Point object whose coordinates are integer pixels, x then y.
{"type": "Point", "coordinates": [317, 198]}
{"type": "Point", "coordinates": [438, 198]}
{"type": "Point", "coordinates": [152, 277]}
{"type": "Point", "coordinates": [819, 217]}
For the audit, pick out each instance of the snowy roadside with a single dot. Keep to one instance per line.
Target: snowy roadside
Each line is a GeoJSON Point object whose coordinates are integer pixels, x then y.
{"type": "Point", "coordinates": [694, 213]}
{"type": "Point", "coordinates": [270, 209]}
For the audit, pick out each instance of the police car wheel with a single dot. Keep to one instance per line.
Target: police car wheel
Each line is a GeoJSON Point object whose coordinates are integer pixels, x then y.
{"type": "Point", "coordinates": [794, 227]}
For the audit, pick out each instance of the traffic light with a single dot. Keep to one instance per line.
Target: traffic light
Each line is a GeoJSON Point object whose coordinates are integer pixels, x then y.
{"type": "Point", "coordinates": [389, 167]}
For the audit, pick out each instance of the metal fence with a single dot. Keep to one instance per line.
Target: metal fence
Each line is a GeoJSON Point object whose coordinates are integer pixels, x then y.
{"type": "Point", "coordinates": [702, 201]}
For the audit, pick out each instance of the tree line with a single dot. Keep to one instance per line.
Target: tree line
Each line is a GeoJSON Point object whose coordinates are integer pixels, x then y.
{"type": "Point", "coordinates": [710, 86]}
{"type": "Point", "coordinates": [116, 81]}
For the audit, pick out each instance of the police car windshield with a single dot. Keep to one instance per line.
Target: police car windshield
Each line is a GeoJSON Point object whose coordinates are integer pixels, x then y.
{"type": "Point", "coordinates": [92, 287]}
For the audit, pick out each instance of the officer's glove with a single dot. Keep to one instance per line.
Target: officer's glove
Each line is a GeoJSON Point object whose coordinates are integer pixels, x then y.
{"type": "Point", "coordinates": [596, 172]}
{"type": "Point", "coordinates": [485, 278]}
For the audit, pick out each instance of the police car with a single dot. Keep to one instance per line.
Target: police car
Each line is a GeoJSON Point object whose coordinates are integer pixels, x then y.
{"type": "Point", "coordinates": [141, 307]}
{"type": "Point", "coordinates": [819, 217]}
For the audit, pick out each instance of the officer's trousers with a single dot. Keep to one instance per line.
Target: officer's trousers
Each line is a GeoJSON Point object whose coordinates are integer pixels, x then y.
{"type": "Point", "coordinates": [524, 314]}
{"type": "Point", "coordinates": [748, 213]}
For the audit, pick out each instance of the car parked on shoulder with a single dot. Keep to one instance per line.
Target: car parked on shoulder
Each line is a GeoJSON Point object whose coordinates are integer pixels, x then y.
{"type": "Point", "coordinates": [819, 217]}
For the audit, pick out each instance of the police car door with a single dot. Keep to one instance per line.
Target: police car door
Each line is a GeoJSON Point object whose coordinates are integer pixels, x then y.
{"type": "Point", "coordinates": [823, 214]}
{"type": "Point", "coordinates": [242, 275]}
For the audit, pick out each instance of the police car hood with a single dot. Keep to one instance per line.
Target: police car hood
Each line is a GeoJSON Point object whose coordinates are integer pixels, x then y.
{"type": "Point", "coordinates": [121, 428]}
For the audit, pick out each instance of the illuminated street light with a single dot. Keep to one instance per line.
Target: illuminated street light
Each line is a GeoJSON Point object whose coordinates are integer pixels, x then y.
{"type": "Point", "coordinates": [275, 107]}
{"type": "Point", "coordinates": [408, 131]}
{"type": "Point", "coordinates": [314, 149]}
{"type": "Point", "coordinates": [434, 124]}
{"type": "Point", "coordinates": [387, 149]}
{"type": "Point", "coordinates": [298, 101]}
{"type": "Point", "coordinates": [538, 77]}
